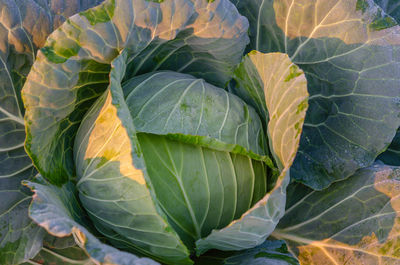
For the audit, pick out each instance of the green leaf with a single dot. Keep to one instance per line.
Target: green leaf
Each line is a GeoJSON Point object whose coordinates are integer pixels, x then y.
{"type": "Point", "coordinates": [61, 251]}
{"type": "Point", "coordinates": [58, 211]}
{"type": "Point", "coordinates": [112, 179]}
{"type": "Point", "coordinates": [392, 154]}
{"type": "Point", "coordinates": [268, 80]}
{"type": "Point", "coordinates": [348, 52]}
{"type": "Point", "coordinates": [20, 237]}
{"type": "Point", "coordinates": [391, 7]}
{"type": "Point", "coordinates": [190, 110]}
{"type": "Point", "coordinates": [270, 252]}
{"type": "Point", "coordinates": [67, 256]}
{"type": "Point", "coordinates": [24, 26]}
{"type": "Point", "coordinates": [199, 188]}
{"type": "Point", "coordinates": [77, 57]}
{"type": "Point", "coordinates": [352, 222]}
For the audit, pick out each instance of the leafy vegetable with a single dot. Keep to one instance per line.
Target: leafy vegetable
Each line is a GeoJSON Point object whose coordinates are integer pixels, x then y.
{"type": "Point", "coordinates": [172, 132]}
{"type": "Point", "coordinates": [115, 180]}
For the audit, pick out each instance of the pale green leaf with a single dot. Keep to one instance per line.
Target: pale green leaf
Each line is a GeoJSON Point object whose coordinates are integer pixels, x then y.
{"type": "Point", "coordinates": [190, 110]}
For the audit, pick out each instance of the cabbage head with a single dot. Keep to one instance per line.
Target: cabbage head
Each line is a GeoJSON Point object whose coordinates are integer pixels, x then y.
{"type": "Point", "coordinates": [135, 113]}
{"type": "Point", "coordinates": [199, 132]}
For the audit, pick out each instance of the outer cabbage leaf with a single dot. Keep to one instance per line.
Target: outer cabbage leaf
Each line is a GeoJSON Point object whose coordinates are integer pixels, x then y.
{"type": "Point", "coordinates": [71, 71]}
{"type": "Point", "coordinates": [352, 222]}
{"type": "Point", "coordinates": [349, 52]}
{"type": "Point", "coordinates": [58, 211]}
{"type": "Point", "coordinates": [270, 78]}
{"type": "Point", "coordinates": [24, 26]}
{"type": "Point", "coordinates": [270, 252]}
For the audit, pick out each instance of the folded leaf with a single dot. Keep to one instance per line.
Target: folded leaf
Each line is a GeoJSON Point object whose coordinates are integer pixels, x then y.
{"type": "Point", "coordinates": [354, 221]}
{"type": "Point", "coordinates": [58, 211]}
{"type": "Point", "coordinates": [348, 52]}
{"type": "Point", "coordinates": [273, 81]}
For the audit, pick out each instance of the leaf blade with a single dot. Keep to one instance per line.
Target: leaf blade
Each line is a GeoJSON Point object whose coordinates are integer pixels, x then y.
{"type": "Point", "coordinates": [367, 230]}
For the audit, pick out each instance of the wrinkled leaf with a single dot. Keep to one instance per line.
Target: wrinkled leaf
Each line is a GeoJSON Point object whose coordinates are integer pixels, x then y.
{"type": "Point", "coordinates": [77, 57]}
{"type": "Point", "coordinates": [348, 50]}
{"type": "Point", "coordinates": [270, 252]}
{"type": "Point", "coordinates": [269, 80]}
{"type": "Point", "coordinates": [58, 211]}
{"type": "Point", "coordinates": [352, 222]}
{"type": "Point", "coordinates": [20, 238]}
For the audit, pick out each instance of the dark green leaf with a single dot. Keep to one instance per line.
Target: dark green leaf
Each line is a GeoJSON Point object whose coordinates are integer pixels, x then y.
{"type": "Point", "coordinates": [268, 253]}
{"type": "Point", "coordinates": [60, 251]}
{"type": "Point", "coordinates": [392, 155]}
{"type": "Point", "coordinates": [391, 7]}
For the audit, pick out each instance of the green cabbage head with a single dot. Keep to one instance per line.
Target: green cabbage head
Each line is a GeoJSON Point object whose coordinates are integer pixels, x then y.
{"type": "Point", "coordinates": [141, 142]}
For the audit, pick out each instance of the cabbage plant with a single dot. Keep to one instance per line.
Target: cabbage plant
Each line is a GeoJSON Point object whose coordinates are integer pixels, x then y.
{"type": "Point", "coordinates": [195, 131]}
